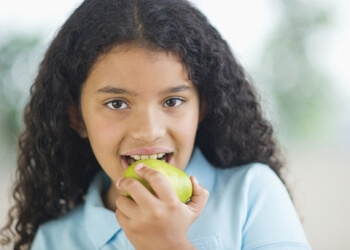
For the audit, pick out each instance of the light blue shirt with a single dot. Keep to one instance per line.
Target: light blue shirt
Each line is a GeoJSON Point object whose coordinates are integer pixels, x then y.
{"type": "Point", "coordinates": [248, 208]}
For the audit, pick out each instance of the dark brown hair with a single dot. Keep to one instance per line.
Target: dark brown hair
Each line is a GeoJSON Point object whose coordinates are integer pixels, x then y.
{"type": "Point", "coordinates": [55, 165]}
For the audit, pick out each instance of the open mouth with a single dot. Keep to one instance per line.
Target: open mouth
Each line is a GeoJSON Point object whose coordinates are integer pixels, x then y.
{"type": "Point", "coordinates": [130, 159]}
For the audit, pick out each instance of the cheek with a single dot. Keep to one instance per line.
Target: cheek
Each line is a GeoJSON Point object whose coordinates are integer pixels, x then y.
{"type": "Point", "coordinates": [189, 123]}
{"type": "Point", "coordinates": [186, 130]}
{"type": "Point", "coordinates": [105, 139]}
{"type": "Point", "coordinates": [185, 137]}
{"type": "Point", "coordinates": [100, 131]}
{"type": "Point", "coordinates": [103, 136]}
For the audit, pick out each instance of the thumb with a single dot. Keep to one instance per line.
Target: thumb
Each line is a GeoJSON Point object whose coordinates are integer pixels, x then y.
{"type": "Point", "coordinates": [199, 197]}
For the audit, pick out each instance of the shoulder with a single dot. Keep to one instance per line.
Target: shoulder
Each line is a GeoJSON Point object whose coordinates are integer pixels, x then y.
{"type": "Point", "coordinates": [252, 207]}
{"type": "Point", "coordinates": [250, 184]}
{"type": "Point", "coordinates": [249, 177]}
{"type": "Point", "coordinates": [250, 170]}
{"type": "Point", "coordinates": [84, 227]}
{"type": "Point", "coordinates": [61, 233]}
{"type": "Point", "coordinates": [237, 179]}
{"type": "Point", "coordinates": [72, 218]}
{"type": "Point", "coordinates": [255, 186]}
{"type": "Point", "coordinates": [260, 200]}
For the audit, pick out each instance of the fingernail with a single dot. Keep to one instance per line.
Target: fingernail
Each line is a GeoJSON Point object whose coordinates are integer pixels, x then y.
{"type": "Point", "coordinates": [139, 166]}
{"type": "Point", "coordinates": [195, 180]}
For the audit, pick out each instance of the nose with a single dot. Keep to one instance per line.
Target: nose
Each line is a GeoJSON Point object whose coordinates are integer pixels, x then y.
{"type": "Point", "coordinates": [148, 126]}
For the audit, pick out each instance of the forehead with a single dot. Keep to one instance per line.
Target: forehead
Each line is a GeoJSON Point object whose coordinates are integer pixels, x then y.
{"type": "Point", "coordinates": [126, 64]}
{"type": "Point", "coordinates": [153, 53]}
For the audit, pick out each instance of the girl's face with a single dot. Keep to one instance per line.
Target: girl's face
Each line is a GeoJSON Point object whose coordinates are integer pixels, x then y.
{"type": "Point", "coordinates": [139, 104]}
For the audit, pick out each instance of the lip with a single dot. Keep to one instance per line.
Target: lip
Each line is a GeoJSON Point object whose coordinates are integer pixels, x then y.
{"type": "Point", "coordinates": [146, 151]}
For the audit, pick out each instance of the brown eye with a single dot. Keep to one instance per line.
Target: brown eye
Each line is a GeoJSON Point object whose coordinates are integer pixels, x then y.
{"type": "Point", "coordinates": [117, 104]}
{"type": "Point", "coordinates": [173, 102]}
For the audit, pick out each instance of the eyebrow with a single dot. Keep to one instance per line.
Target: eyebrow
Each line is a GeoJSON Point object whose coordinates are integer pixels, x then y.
{"type": "Point", "coordinates": [176, 89]}
{"type": "Point", "coordinates": [114, 90]}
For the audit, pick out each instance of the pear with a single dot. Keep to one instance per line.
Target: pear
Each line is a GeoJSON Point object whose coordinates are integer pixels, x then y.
{"type": "Point", "coordinates": [177, 178]}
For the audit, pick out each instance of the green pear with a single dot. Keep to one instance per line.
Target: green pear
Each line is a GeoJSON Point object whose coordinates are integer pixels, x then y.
{"type": "Point", "coordinates": [177, 178]}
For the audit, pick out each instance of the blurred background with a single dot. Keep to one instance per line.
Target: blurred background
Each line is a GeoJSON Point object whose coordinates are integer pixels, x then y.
{"type": "Point", "coordinates": [296, 52]}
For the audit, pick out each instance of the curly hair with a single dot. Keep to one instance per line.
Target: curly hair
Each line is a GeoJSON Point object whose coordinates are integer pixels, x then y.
{"type": "Point", "coordinates": [55, 165]}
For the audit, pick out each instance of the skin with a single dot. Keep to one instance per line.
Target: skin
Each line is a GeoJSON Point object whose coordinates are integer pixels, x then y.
{"type": "Point", "coordinates": [137, 101]}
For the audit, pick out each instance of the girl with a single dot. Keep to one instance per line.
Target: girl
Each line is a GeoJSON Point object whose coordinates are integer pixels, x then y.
{"type": "Point", "coordinates": [133, 79]}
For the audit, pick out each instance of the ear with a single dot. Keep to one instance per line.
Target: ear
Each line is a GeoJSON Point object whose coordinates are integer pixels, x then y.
{"type": "Point", "coordinates": [76, 121]}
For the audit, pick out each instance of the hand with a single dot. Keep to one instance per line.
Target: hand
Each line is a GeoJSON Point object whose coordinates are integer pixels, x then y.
{"type": "Point", "coordinates": [159, 221]}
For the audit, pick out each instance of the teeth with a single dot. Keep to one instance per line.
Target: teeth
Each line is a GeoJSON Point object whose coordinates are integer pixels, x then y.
{"type": "Point", "coordinates": [153, 157]}
{"type": "Point", "coordinates": [144, 157]}
{"type": "Point", "coordinates": [136, 157]}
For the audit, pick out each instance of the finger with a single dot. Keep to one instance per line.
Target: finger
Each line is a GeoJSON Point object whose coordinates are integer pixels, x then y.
{"type": "Point", "coordinates": [159, 184]}
{"type": "Point", "coordinates": [199, 198]}
{"type": "Point", "coordinates": [121, 218]}
{"type": "Point", "coordinates": [139, 193]}
{"type": "Point", "coordinates": [127, 206]}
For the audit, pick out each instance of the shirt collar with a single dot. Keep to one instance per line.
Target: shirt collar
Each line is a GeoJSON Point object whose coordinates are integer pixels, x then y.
{"type": "Point", "coordinates": [100, 223]}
